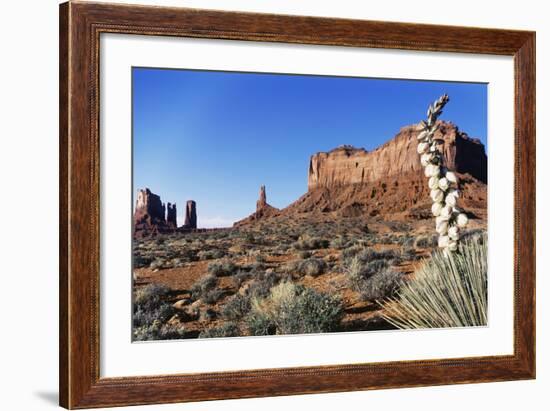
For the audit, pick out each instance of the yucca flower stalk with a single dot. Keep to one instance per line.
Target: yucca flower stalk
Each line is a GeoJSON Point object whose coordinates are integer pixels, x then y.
{"type": "Point", "coordinates": [443, 183]}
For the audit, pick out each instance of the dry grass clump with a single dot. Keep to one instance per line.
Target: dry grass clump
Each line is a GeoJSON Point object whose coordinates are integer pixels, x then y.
{"type": "Point", "coordinates": [449, 290]}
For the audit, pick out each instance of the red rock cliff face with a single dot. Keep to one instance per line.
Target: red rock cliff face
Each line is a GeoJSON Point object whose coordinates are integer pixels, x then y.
{"type": "Point", "coordinates": [149, 208]}
{"type": "Point", "coordinates": [190, 215]}
{"type": "Point", "coordinates": [348, 165]}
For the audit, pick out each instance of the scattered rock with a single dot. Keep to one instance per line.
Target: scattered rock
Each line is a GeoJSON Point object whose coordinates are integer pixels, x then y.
{"type": "Point", "coordinates": [182, 304]}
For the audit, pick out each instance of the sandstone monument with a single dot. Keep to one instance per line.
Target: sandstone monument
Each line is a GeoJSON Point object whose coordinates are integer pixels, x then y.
{"type": "Point", "coordinates": [190, 215]}
{"type": "Point", "coordinates": [171, 214]}
{"type": "Point", "coordinates": [263, 210]}
{"type": "Point", "coordinates": [349, 165]}
{"type": "Point", "coordinates": [149, 208]}
{"type": "Point", "coordinates": [262, 201]}
{"type": "Point", "coordinates": [387, 180]}
{"type": "Point", "coordinates": [152, 216]}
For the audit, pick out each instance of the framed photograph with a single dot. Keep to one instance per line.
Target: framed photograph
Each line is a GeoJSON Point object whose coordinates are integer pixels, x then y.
{"type": "Point", "coordinates": [260, 205]}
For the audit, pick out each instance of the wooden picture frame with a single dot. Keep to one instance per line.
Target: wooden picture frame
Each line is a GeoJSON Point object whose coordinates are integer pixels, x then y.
{"type": "Point", "coordinates": [80, 27]}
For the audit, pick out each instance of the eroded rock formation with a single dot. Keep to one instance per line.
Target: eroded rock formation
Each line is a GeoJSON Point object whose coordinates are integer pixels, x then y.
{"type": "Point", "coordinates": [149, 214]}
{"type": "Point", "coordinates": [149, 208]}
{"type": "Point", "coordinates": [388, 181]}
{"type": "Point", "coordinates": [152, 217]}
{"type": "Point", "coordinates": [263, 210]}
{"type": "Point", "coordinates": [171, 215]}
{"type": "Point", "coordinates": [262, 201]}
{"type": "Point", "coordinates": [349, 165]}
{"type": "Point", "coordinates": [190, 215]}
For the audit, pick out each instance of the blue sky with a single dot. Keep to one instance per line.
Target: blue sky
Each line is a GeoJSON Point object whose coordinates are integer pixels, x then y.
{"type": "Point", "coordinates": [215, 137]}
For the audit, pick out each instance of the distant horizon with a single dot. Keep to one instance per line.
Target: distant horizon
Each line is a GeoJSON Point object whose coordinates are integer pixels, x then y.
{"type": "Point", "coordinates": [216, 137]}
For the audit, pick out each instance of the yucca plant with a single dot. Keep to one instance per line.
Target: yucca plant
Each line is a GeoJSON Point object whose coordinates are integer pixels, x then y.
{"type": "Point", "coordinates": [448, 290]}
{"type": "Point", "coordinates": [443, 184]}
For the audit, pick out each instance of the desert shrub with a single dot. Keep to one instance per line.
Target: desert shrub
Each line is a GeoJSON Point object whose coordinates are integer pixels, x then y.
{"type": "Point", "coordinates": [211, 296]}
{"type": "Point", "coordinates": [158, 331]}
{"type": "Point", "coordinates": [359, 270]}
{"type": "Point", "coordinates": [207, 315]}
{"type": "Point", "coordinates": [203, 285]}
{"type": "Point", "coordinates": [157, 264]}
{"type": "Point", "coordinates": [349, 253]}
{"type": "Point", "coordinates": [146, 316]}
{"type": "Point", "coordinates": [260, 324]}
{"type": "Point", "coordinates": [210, 254]}
{"type": "Point", "coordinates": [394, 256]}
{"type": "Point", "coordinates": [408, 254]}
{"type": "Point", "coordinates": [241, 277]}
{"type": "Point", "coordinates": [141, 261]}
{"type": "Point", "coordinates": [448, 290]}
{"type": "Point", "coordinates": [150, 296]}
{"type": "Point", "coordinates": [261, 286]}
{"type": "Point", "coordinates": [226, 330]}
{"type": "Point", "coordinates": [237, 307]}
{"type": "Point", "coordinates": [249, 238]}
{"type": "Point", "coordinates": [406, 241]}
{"type": "Point", "coordinates": [426, 241]}
{"type": "Point", "coordinates": [254, 268]}
{"type": "Point", "coordinates": [291, 267]}
{"type": "Point", "coordinates": [293, 309]}
{"type": "Point", "coordinates": [383, 284]}
{"type": "Point", "coordinates": [222, 269]}
{"type": "Point", "coordinates": [339, 243]}
{"type": "Point", "coordinates": [282, 248]}
{"type": "Point", "coordinates": [312, 266]}
{"type": "Point", "coordinates": [398, 226]}
{"type": "Point", "coordinates": [367, 255]}
{"type": "Point", "coordinates": [260, 258]}
{"type": "Point", "coordinates": [372, 278]}
{"type": "Point", "coordinates": [311, 243]}
{"type": "Point", "coordinates": [304, 254]}
{"type": "Point", "coordinates": [150, 311]}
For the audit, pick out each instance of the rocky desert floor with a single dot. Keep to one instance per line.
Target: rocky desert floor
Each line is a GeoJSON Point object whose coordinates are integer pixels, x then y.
{"type": "Point", "coordinates": [301, 274]}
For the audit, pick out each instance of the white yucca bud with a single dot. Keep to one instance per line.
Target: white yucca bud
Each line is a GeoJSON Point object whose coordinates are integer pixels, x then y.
{"type": "Point", "coordinates": [433, 182]}
{"type": "Point", "coordinates": [442, 228]}
{"type": "Point", "coordinates": [462, 220]}
{"type": "Point", "coordinates": [452, 246]}
{"type": "Point", "coordinates": [443, 241]}
{"type": "Point", "coordinates": [437, 195]}
{"type": "Point", "coordinates": [443, 183]}
{"type": "Point", "coordinates": [426, 159]}
{"type": "Point", "coordinates": [422, 148]}
{"type": "Point", "coordinates": [439, 219]}
{"type": "Point", "coordinates": [453, 233]}
{"type": "Point", "coordinates": [436, 208]}
{"type": "Point", "coordinates": [431, 170]}
{"type": "Point", "coordinates": [451, 177]}
{"type": "Point", "coordinates": [446, 212]}
{"type": "Point", "coordinates": [423, 135]}
{"type": "Point", "coordinates": [451, 198]}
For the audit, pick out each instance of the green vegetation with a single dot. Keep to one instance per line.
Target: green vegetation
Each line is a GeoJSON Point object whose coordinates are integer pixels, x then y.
{"type": "Point", "coordinates": [449, 290]}
{"type": "Point", "coordinates": [294, 309]}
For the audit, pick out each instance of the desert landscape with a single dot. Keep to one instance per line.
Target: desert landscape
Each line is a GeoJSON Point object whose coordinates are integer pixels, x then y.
{"type": "Point", "coordinates": [328, 262]}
